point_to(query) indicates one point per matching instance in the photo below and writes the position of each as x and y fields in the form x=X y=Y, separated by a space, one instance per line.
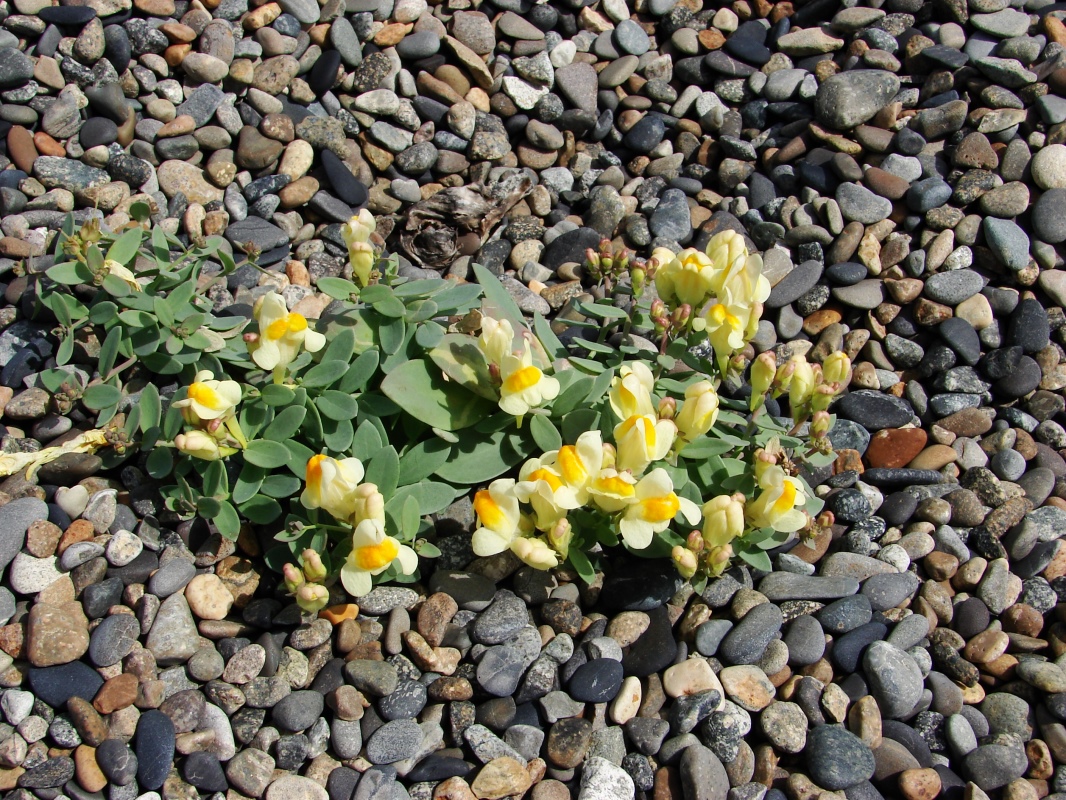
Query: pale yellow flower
x=577 y=464
x=699 y=411
x=736 y=271
x=725 y=326
x=200 y=445
x=498 y=516
x=496 y=340
x=631 y=390
x=368 y=504
x=612 y=490
x=281 y=335
x=836 y=368
x=542 y=486
x=524 y=386
x=332 y=485
x=356 y=233
x=641 y=439
x=802 y=383
x=684 y=278
x=122 y=273
x=655 y=507
x=373 y=552
x=777 y=505
x=208 y=399
x=723 y=520
x=535 y=552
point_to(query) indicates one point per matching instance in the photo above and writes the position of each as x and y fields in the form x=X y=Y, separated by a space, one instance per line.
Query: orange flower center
x=375 y=556
x=487 y=510
x=661 y=509
x=522 y=379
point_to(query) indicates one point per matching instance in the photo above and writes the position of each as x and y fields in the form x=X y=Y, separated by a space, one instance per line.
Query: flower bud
x=783 y=378
x=694 y=541
x=251 y=338
x=820 y=424
x=682 y=314
x=312 y=597
x=699 y=411
x=610 y=456
x=198 y=445
x=723 y=520
x=294 y=578
x=637 y=277
x=836 y=368
x=559 y=536
x=685 y=561
x=763 y=370
x=314 y=569
x=667 y=408
x=718 y=558
x=826 y=519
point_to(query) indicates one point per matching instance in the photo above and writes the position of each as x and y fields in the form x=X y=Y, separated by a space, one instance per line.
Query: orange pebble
x=337 y=614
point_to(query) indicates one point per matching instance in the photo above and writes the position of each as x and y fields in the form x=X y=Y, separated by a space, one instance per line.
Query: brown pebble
x=117 y=692
x=86 y=770
x=433 y=617
x=90 y=726
x=919 y=784
x=894 y=448
x=21 y=149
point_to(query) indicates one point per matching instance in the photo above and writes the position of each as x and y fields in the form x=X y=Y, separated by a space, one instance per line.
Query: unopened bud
x=826 y=519
x=213 y=425
x=637 y=277
x=312 y=598
x=694 y=541
x=658 y=309
x=294 y=578
x=682 y=314
x=820 y=424
x=251 y=338
x=610 y=456
x=667 y=408
x=685 y=561
x=314 y=569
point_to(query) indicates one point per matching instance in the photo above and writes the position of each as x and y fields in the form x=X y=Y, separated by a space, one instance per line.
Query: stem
x=279 y=375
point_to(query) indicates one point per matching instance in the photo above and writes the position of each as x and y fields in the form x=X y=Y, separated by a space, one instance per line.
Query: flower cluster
x=304 y=582
x=210 y=413
x=522 y=385
x=281 y=336
x=334 y=485
x=776 y=506
x=811 y=388
x=721 y=290
x=622 y=482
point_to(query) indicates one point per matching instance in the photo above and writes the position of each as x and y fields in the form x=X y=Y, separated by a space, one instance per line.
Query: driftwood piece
x=435 y=224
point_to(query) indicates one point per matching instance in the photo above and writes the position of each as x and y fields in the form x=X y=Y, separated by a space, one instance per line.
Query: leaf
x=208 y=507
x=126 y=246
x=115 y=286
x=421 y=310
x=100 y=396
x=367 y=441
x=160 y=462
x=338 y=434
x=544 y=433
x=600 y=386
x=151 y=407
x=758 y=559
x=277 y=395
x=137 y=319
x=458 y=298
x=498 y=301
x=360 y=372
x=299 y=455
x=705 y=446
x=390 y=307
x=419 y=389
x=552 y=346
x=410 y=518
x=109 y=351
x=376 y=293
x=435 y=496
x=428 y=335
x=337 y=288
x=460 y=358
x=103 y=312
x=391 y=335
x=70 y=273
x=420 y=461
x=325 y=374
x=261 y=510
x=337 y=405
x=384 y=470
x=285 y=424
x=472 y=463
x=280 y=486
x=227 y=522
x=266 y=454
x=573 y=395
x=582 y=565
x=578 y=421
x=342 y=348
x=248 y=482
x=66 y=350
x=216 y=483
x=427 y=549
x=140 y=211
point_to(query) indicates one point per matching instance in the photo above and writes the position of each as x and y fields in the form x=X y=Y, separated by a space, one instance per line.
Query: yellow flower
x=498 y=517
x=361 y=254
x=524 y=385
x=725 y=325
x=356 y=233
x=735 y=270
x=577 y=464
x=763 y=371
x=698 y=412
x=281 y=335
x=368 y=504
x=332 y=485
x=656 y=505
x=373 y=552
x=684 y=278
x=200 y=445
x=122 y=273
x=836 y=368
x=723 y=519
x=631 y=391
x=359 y=227
x=612 y=490
x=535 y=552
x=641 y=439
x=496 y=340
x=208 y=399
x=776 y=505
x=541 y=485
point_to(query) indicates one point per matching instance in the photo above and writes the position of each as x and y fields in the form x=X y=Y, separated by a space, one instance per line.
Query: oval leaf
x=418 y=388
